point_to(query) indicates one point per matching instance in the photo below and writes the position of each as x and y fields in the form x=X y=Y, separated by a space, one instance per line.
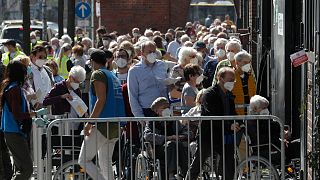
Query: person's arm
x=14 y=101
x=149 y=136
x=133 y=91
x=189 y=101
x=55 y=96
x=100 y=90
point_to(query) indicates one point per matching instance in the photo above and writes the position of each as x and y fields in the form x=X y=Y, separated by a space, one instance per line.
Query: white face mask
x=61 y=43
x=105 y=43
x=152 y=57
x=40 y=62
x=166 y=113
x=265 y=112
x=228 y=86
x=164 y=43
x=194 y=61
x=121 y=63
x=69 y=55
x=220 y=53
x=199 y=79
x=74 y=85
x=246 y=68
x=136 y=34
x=54 y=47
x=230 y=56
x=5 y=49
x=33 y=41
x=129 y=52
x=38 y=38
x=210 y=46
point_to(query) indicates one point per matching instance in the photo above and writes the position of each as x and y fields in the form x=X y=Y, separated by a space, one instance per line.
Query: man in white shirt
x=174 y=45
x=41 y=79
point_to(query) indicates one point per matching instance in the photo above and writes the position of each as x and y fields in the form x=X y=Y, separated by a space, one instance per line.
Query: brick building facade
x=123 y=15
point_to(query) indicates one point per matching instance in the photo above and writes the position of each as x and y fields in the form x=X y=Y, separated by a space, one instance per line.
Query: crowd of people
x=197 y=67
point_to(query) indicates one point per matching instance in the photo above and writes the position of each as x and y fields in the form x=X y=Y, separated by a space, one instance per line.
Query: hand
x=235 y=127
x=86 y=115
x=87 y=129
x=172 y=138
x=41 y=112
x=40 y=122
x=67 y=96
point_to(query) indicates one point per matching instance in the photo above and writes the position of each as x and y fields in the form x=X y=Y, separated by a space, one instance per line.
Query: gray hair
x=185 y=38
x=218 y=42
x=242 y=55
x=160 y=101
x=87 y=39
x=66 y=39
x=184 y=53
x=235 y=44
x=146 y=43
x=257 y=101
x=78 y=72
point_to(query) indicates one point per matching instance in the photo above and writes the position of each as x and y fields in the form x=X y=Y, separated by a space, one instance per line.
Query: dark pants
x=172 y=158
x=205 y=153
x=6 y=171
x=149 y=113
x=20 y=151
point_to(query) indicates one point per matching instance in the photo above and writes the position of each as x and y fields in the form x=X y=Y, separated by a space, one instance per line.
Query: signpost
x=83 y=10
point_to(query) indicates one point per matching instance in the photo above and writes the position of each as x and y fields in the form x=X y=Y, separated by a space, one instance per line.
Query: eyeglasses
x=192 y=56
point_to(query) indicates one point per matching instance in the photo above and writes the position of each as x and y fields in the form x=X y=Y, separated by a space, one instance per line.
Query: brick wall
x=123 y=15
x=253 y=8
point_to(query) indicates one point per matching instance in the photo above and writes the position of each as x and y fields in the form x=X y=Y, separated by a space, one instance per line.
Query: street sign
x=98 y=13
x=83 y=10
x=83 y=23
x=299 y=58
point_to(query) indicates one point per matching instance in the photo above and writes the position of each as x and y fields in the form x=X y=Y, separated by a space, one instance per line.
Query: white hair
x=218 y=42
x=235 y=44
x=66 y=39
x=185 y=38
x=242 y=55
x=148 y=31
x=78 y=72
x=257 y=101
x=184 y=53
x=121 y=38
x=33 y=34
x=143 y=39
x=87 y=39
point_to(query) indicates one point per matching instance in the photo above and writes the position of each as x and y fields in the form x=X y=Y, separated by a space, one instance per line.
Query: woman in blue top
x=16 y=118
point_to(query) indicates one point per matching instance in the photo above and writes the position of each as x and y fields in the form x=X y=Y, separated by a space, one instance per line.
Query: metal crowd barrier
x=263 y=157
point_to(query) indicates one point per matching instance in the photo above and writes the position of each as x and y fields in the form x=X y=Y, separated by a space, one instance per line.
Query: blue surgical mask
x=29 y=70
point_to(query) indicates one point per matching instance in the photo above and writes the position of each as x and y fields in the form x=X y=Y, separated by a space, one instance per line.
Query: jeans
x=92 y=144
x=19 y=149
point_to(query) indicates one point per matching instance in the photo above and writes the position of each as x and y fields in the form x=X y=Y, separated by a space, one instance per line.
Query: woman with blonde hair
x=63 y=60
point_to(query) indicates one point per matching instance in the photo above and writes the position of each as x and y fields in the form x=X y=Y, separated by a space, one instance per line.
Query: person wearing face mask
x=211 y=65
x=78 y=58
x=217 y=101
x=193 y=76
x=87 y=44
x=106 y=40
x=63 y=60
x=135 y=34
x=54 y=42
x=41 y=77
x=60 y=93
x=128 y=46
x=166 y=143
x=232 y=48
x=201 y=48
x=121 y=58
x=144 y=81
x=10 y=51
x=245 y=86
x=174 y=45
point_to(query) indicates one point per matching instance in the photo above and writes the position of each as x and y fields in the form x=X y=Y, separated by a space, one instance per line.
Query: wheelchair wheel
x=255 y=168
x=69 y=171
x=141 y=170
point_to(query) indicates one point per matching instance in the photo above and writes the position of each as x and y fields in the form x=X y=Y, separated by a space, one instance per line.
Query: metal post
x=44 y=20
x=71 y=18
x=60 y=16
x=26 y=26
x=92 y=23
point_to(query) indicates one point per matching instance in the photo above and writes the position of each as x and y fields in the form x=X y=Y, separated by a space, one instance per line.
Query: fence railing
x=210 y=147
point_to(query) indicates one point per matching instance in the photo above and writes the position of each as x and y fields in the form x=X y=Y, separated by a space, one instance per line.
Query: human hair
x=158 y=40
x=78 y=72
x=222 y=34
x=66 y=39
x=52 y=65
x=191 y=69
x=185 y=38
x=184 y=53
x=235 y=44
x=22 y=58
x=37 y=49
x=147 y=43
x=99 y=57
x=160 y=101
x=128 y=46
x=77 y=50
x=66 y=47
x=148 y=31
x=218 y=42
x=223 y=71
x=179 y=34
x=15 y=72
x=242 y=55
x=258 y=101
x=118 y=50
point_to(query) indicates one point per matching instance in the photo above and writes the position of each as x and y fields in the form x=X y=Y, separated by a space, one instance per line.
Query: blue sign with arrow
x=83 y=10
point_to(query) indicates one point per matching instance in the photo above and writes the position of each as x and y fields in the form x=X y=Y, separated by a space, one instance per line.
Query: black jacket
x=212 y=105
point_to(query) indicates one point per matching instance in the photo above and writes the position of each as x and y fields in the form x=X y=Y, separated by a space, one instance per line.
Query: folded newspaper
x=77 y=104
